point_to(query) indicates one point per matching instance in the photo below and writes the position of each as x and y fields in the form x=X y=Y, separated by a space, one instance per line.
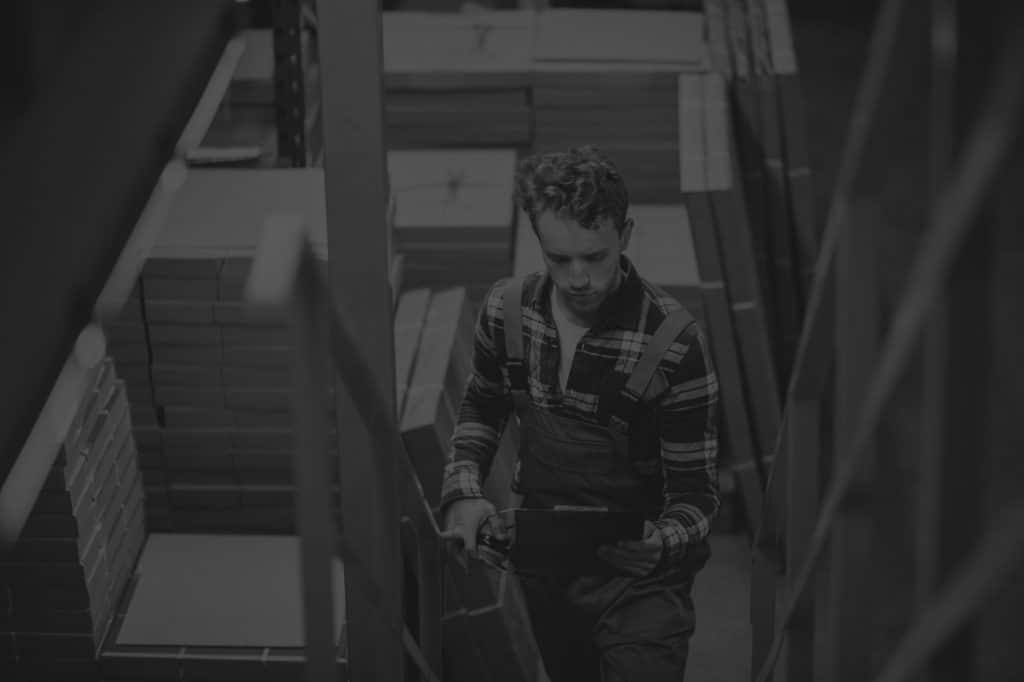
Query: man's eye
x=595 y=258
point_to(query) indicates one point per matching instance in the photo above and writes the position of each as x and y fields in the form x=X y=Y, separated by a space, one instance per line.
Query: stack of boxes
x=454 y=216
x=609 y=78
x=454 y=79
x=484 y=617
x=222 y=385
x=60 y=584
x=213 y=380
x=436 y=381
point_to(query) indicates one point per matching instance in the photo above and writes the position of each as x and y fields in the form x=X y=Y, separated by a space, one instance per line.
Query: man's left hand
x=635 y=557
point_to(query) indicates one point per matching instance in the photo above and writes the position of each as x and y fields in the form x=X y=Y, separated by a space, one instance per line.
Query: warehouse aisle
x=831 y=55
x=720 y=649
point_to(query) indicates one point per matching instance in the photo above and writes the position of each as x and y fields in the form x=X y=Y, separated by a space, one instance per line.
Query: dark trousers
x=613 y=629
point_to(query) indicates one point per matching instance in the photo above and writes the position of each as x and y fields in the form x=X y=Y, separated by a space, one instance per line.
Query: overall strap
x=513 y=313
x=639 y=381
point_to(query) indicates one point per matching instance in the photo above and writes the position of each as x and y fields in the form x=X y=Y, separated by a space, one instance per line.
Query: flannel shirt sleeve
x=689 y=447
x=485 y=408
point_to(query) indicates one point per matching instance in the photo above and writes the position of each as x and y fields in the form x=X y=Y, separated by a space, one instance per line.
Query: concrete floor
x=720 y=648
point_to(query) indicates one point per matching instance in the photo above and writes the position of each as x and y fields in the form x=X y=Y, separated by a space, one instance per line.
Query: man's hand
x=462 y=521
x=636 y=557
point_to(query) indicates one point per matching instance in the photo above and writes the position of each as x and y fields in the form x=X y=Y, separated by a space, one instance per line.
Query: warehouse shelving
x=892 y=523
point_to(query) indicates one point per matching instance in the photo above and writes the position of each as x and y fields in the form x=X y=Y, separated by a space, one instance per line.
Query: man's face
x=583 y=264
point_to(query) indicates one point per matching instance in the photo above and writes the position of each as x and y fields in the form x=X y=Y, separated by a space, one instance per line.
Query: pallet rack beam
x=289 y=81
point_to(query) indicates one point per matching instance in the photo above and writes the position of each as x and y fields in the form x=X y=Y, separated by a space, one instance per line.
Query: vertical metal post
x=289 y=82
x=359 y=262
x=804 y=425
x=856 y=342
x=936 y=346
x=313 y=475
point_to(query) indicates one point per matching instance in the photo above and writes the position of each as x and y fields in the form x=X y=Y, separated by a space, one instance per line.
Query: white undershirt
x=569 y=335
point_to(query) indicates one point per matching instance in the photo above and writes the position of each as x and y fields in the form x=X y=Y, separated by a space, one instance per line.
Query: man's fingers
x=459 y=535
x=497 y=527
x=638 y=563
x=453 y=534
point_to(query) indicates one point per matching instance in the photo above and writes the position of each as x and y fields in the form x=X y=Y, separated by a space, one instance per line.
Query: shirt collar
x=621 y=309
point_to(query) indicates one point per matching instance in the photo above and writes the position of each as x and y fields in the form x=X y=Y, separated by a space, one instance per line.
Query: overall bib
x=589 y=628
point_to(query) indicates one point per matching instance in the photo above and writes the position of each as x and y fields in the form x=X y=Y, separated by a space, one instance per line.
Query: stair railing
x=286 y=281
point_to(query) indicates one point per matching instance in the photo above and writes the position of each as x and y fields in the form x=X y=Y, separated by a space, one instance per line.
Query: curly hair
x=581 y=184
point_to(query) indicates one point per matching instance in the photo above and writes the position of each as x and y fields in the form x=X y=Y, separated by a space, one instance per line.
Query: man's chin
x=585 y=304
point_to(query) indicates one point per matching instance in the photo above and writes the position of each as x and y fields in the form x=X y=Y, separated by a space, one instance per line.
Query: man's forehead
x=565 y=220
x=572 y=240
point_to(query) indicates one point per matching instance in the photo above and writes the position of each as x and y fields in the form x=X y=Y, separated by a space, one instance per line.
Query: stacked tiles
x=608 y=78
x=454 y=216
x=62 y=580
x=660 y=246
x=222 y=382
x=128 y=344
x=454 y=79
x=217 y=455
x=436 y=383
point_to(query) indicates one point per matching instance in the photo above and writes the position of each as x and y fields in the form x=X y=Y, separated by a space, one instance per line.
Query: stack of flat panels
x=609 y=78
x=661 y=247
x=217 y=452
x=215 y=607
x=410 y=316
x=455 y=79
x=244 y=128
x=61 y=582
x=737 y=324
x=454 y=216
x=222 y=382
x=436 y=384
x=757 y=58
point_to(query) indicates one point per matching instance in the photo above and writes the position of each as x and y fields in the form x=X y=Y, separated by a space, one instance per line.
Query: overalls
x=608 y=629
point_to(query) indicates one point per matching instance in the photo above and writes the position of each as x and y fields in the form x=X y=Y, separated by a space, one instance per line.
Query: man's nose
x=579 y=278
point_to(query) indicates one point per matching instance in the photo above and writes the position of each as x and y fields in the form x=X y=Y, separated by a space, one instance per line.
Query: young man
x=612 y=383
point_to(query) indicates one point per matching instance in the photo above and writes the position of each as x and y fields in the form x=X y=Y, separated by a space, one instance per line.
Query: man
x=612 y=383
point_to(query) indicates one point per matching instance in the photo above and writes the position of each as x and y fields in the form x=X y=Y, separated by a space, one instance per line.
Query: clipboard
x=563 y=541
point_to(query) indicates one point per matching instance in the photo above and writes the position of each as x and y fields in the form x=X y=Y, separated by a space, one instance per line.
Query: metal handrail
x=988 y=148
x=286 y=280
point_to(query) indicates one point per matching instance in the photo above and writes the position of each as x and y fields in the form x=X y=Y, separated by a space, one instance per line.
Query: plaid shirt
x=686 y=408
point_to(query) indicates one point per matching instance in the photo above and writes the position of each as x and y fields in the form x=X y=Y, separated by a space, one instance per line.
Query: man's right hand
x=463 y=518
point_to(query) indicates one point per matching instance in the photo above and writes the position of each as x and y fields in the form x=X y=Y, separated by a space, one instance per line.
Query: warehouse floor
x=830 y=57
x=720 y=648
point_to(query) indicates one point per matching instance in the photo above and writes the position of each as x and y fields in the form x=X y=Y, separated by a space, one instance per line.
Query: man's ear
x=627 y=231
